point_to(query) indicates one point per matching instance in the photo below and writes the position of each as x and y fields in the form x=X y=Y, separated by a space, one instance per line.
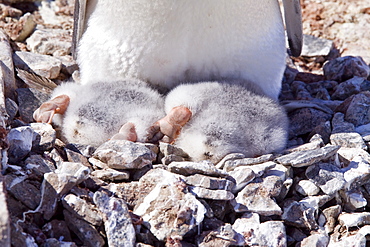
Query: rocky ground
x=315 y=193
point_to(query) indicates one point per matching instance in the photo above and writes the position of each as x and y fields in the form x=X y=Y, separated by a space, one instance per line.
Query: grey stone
x=211 y=194
x=314 y=46
x=242 y=175
x=23 y=190
x=56 y=42
x=28 y=24
x=233 y=164
x=85 y=232
x=69 y=65
x=358 y=239
x=308 y=157
x=363 y=130
x=168 y=210
x=357 y=110
x=29 y=100
x=11 y=108
x=57 y=229
x=53 y=242
x=304 y=120
x=300 y=214
x=258 y=195
x=344 y=68
x=328 y=177
x=44 y=137
x=117 y=221
x=38 y=165
x=353 y=200
x=207 y=182
x=20 y=143
x=7 y=79
x=300 y=90
x=76 y=157
x=5 y=234
x=222 y=236
x=232 y=156
x=43 y=65
x=349 y=140
x=82 y=209
x=58 y=183
x=315 y=142
x=121 y=154
x=357 y=173
x=111 y=174
x=340 y=125
x=354 y=219
x=318 y=239
x=307 y=188
x=328 y=218
x=253 y=233
x=191 y=168
x=348 y=88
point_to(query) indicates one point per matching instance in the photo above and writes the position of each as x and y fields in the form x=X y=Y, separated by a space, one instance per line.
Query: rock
x=57 y=229
x=313 y=46
x=84 y=231
x=211 y=194
x=232 y=156
x=344 y=68
x=29 y=100
x=58 y=183
x=44 y=138
x=23 y=190
x=111 y=174
x=300 y=214
x=222 y=236
x=253 y=233
x=348 y=88
x=243 y=175
x=353 y=200
x=328 y=177
x=354 y=219
x=82 y=209
x=349 y=140
x=20 y=143
x=307 y=158
x=340 y=125
x=117 y=220
x=307 y=188
x=357 y=111
x=328 y=218
x=346 y=155
x=38 y=165
x=121 y=154
x=234 y=163
x=211 y=183
x=357 y=173
x=168 y=210
x=56 y=42
x=191 y=168
x=258 y=195
x=317 y=239
x=359 y=239
x=11 y=108
x=7 y=79
x=43 y=65
x=5 y=234
x=304 y=120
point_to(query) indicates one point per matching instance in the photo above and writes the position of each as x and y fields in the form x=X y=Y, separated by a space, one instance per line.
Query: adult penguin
x=166 y=42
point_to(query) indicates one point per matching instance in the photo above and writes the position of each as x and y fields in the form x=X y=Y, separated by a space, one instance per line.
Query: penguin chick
x=186 y=41
x=100 y=111
x=227 y=118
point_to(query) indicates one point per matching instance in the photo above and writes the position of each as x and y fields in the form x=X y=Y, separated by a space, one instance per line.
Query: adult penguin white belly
x=167 y=42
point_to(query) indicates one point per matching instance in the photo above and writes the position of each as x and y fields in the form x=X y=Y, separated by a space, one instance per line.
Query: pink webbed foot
x=127 y=132
x=45 y=113
x=168 y=128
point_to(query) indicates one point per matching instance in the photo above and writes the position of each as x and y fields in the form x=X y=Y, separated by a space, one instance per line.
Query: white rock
x=307 y=188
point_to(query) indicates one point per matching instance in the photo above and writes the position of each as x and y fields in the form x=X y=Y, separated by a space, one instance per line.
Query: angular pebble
x=111 y=174
x=307 y=188
x=328 y=177
x=121 y=154
x=20 y=143
x=354 y=219
x=117 y=221
x=308 y=157
x=207 y=182
x=191 y=168
x=344 y=68
x=348 y=140
x=257 y=196
x=211 y=194
x=44 y=138
x=357 y=173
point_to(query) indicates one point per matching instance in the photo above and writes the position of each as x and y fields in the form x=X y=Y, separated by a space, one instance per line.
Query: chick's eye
x=208 y=154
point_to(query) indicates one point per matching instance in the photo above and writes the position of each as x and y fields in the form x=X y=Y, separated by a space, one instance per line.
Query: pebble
x=344 y=68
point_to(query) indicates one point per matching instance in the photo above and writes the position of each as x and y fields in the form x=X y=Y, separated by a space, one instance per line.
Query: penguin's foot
x=127 y=132
x=169 y=127
x=46 y=112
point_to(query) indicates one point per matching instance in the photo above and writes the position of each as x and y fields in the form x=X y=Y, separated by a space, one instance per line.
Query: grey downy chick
x=93 y=113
